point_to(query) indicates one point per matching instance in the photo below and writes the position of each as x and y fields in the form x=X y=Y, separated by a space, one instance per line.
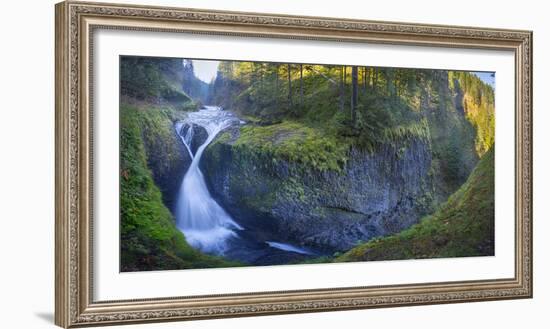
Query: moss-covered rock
x=197 y=135
x=166 y=155
x=151 y=91
x=327 y=201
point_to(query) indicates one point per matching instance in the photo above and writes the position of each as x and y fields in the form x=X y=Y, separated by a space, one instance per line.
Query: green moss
x=463 y=226
x=314 y=147
x=296 y=142
x=149 y=237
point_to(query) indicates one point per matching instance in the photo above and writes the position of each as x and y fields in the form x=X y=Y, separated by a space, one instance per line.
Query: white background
x=27 y=167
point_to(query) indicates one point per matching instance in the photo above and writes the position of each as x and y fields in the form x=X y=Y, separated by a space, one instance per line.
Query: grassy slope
x=463 y=226
x=149 y=237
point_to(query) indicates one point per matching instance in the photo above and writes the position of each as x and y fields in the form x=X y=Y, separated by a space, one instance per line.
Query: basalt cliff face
x=374 y=194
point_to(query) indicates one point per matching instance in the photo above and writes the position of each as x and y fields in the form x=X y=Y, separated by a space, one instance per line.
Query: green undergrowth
x=318 y=147
x=463 y=226
x=152 y=79
x=316 y=131
x=149 y=237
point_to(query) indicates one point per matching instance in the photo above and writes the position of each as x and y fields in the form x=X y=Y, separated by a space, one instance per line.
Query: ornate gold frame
x=76 y=22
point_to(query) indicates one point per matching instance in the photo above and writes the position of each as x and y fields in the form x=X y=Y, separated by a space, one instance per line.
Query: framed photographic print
x=217 y=164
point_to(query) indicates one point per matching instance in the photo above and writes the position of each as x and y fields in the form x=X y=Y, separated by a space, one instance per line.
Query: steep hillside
x=477 y=100
x=463 y=226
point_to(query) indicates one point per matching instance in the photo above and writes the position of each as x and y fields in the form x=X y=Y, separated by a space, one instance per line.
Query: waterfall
x=205 y=224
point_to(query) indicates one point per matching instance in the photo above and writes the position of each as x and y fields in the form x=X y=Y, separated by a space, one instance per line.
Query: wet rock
x=194 y=135
x=167 y=159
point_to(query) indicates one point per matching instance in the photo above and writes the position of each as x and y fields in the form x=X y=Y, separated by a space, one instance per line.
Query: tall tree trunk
x=389 y=74
x=354 y=82
x=397 y=87
x=277 y=87
x=368 y=78
x=342 y=78
x=289 y=89
x=364 y=79
x=301 y=85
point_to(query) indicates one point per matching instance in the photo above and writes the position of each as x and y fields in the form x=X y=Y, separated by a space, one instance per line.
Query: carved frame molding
x=75 y=24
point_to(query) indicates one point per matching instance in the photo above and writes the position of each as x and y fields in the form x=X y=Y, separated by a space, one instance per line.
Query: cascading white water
x=205 y=224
